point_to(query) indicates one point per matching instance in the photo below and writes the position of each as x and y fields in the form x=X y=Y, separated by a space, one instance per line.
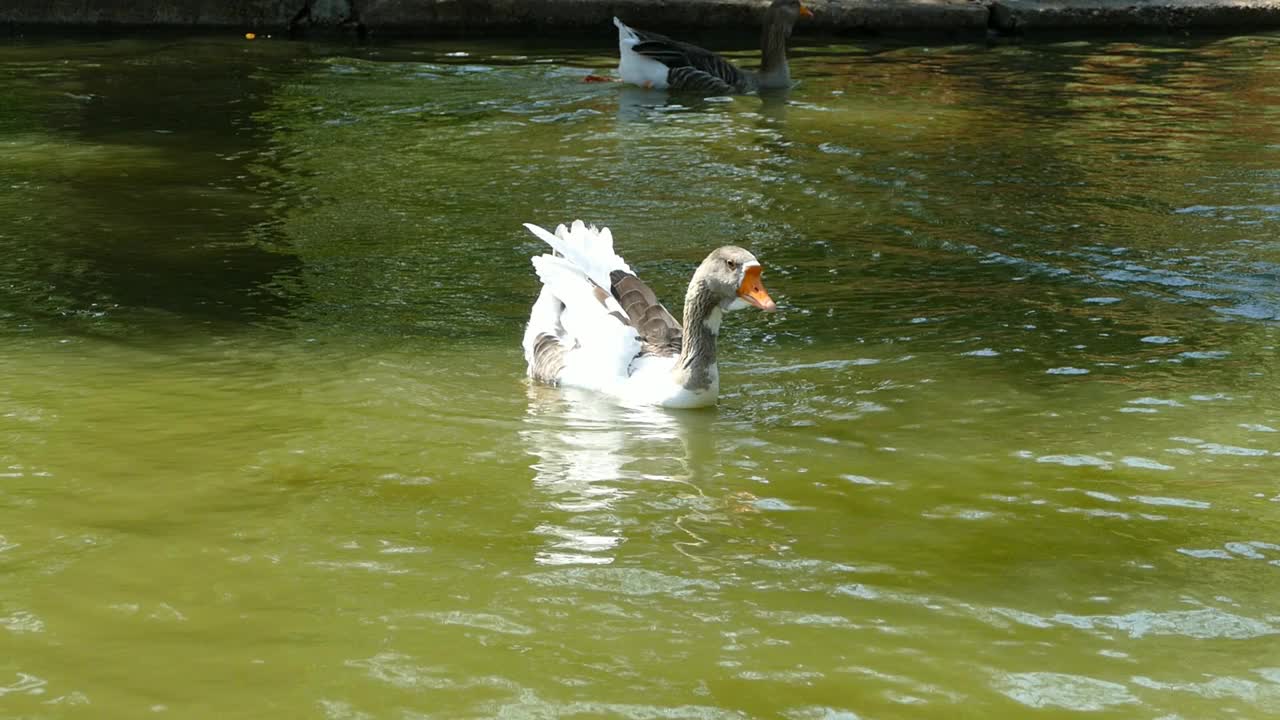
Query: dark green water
x=1009 y=449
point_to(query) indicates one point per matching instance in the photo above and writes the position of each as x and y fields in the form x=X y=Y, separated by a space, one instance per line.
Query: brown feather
x=660 y=333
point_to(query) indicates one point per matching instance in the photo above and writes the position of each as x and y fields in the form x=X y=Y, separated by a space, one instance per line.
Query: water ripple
x=624 y=581
x=1072 y=692
x=1201 y=624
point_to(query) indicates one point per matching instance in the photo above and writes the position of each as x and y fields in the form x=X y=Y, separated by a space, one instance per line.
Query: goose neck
x=773 y=49
x=696 y=366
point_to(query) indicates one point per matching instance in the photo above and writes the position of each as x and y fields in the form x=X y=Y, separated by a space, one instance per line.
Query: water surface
x=1010 y=443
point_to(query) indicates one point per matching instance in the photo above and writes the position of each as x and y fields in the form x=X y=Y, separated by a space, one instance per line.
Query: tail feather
x=624 y=31
x=586 y=248
x=594 y=334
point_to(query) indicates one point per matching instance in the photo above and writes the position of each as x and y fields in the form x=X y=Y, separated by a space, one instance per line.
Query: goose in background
x=651 y=60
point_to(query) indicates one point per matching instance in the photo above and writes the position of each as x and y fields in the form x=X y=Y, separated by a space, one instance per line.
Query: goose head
x=731 y=277
x=786 y=13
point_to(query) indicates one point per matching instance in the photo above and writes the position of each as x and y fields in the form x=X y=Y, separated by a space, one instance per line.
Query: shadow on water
x=130 y=209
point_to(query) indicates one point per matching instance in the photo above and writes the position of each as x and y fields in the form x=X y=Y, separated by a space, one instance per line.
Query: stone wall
x=441 y=17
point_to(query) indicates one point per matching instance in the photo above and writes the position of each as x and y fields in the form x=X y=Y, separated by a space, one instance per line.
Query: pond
x=1009 y=444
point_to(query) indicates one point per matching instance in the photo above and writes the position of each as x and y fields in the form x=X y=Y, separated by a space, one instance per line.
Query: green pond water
x=1009 y=448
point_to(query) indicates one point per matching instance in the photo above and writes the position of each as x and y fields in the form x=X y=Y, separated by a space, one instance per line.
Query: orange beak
x=805 y=12
x=752 y=290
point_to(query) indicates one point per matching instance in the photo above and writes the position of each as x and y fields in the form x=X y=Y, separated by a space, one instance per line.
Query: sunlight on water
x=1008 y=446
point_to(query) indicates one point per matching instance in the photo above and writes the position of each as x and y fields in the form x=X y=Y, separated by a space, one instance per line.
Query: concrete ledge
x=148 y=13
x=829 y=15
x=444 y=17
x=1032 y=15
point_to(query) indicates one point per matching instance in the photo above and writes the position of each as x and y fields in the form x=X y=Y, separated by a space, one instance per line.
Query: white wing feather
x=600 y=344
x=544 y=319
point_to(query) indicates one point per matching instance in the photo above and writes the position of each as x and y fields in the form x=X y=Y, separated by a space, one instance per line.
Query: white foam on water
x=1066 y=371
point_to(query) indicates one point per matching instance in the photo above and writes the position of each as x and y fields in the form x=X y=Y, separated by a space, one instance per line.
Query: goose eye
x=733 y=264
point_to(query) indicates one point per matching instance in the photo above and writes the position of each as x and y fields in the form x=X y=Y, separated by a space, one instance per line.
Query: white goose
x=595 y=325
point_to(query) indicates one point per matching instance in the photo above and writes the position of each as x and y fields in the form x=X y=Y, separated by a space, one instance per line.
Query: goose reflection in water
x=636 y=104
x=587 y=450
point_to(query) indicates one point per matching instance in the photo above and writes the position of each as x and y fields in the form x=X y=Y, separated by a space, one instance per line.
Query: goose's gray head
x=732 y=276
x=787 y=11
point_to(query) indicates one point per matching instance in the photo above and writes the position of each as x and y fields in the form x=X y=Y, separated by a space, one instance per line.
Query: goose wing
x=698 y=68
x=660 y=333
x=692 y=79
